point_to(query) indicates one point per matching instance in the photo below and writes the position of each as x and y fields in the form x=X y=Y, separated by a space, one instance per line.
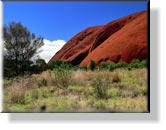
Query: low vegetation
x=78 y=90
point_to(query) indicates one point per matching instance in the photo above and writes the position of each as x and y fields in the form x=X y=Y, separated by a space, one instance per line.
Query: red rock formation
x=121 y=40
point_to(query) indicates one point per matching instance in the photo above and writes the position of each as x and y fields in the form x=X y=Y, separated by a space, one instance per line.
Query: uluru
x=120 y=40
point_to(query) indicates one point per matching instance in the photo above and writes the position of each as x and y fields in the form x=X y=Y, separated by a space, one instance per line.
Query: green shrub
x=108 y=65
x=135 y=64
x=122 y=65
x=55 y=64
x=114 y=92
x=83 y=68
x=62 y=78
x=59 y=64
x=144 y=63
x=100 y=104
x=41 y=65
x=104 y=65
x=45 y=93
x=41 y=82
x=142 y=91
x=112 y=66
x=30 y=96
x=92 y=65
x=101 y=83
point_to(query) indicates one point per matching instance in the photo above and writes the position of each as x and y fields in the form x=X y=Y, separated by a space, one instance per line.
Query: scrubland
x=120 y=90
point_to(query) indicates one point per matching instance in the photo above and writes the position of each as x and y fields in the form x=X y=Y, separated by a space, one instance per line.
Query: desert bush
x=116 y=78
x=62 y=78
x=100 y=104
x=104 y=65
x=83 y=68
x=122 y=65
x=142 y=91
x=30 y=96
x=101 y=83
x=41 y=65
x=112 y=66
x=41 y=82
x=45 y=93
x=135 y=64
x=108 y=65
x=114 y=92
x=55 y=64
x=17 y=93
x=92 y=65
x=59 y=64
x=144 y=63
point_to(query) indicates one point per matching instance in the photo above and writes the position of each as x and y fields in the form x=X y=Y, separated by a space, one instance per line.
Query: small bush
x=41 y=82
x=101 y=83
x=45 y=93
x=144 y=63
x=114 y=92
x=142 y=91
x=100 y=104
x=59 y=64
x=30 y=96
x=92 y=65
x=17 y=94
x=122 y=65
x=112 y=66
x=62 y=78
x=116 y=78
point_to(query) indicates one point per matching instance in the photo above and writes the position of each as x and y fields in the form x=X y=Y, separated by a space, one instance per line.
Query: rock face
x=121 y=40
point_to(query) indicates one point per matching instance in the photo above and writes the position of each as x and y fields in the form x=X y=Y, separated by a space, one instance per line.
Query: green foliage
x=59 y=64
x=114 y=92
x=100 y=104
x=19 y=47
x=140 y=91
x=30 y=96
x=101 y=84
x=92 y=65
x=128 y=79
x=76 y=88
x=41 y=82
x=41 y=64
x=135 y=64
x=108 y=65
x=44 y=93
x=62 y=78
